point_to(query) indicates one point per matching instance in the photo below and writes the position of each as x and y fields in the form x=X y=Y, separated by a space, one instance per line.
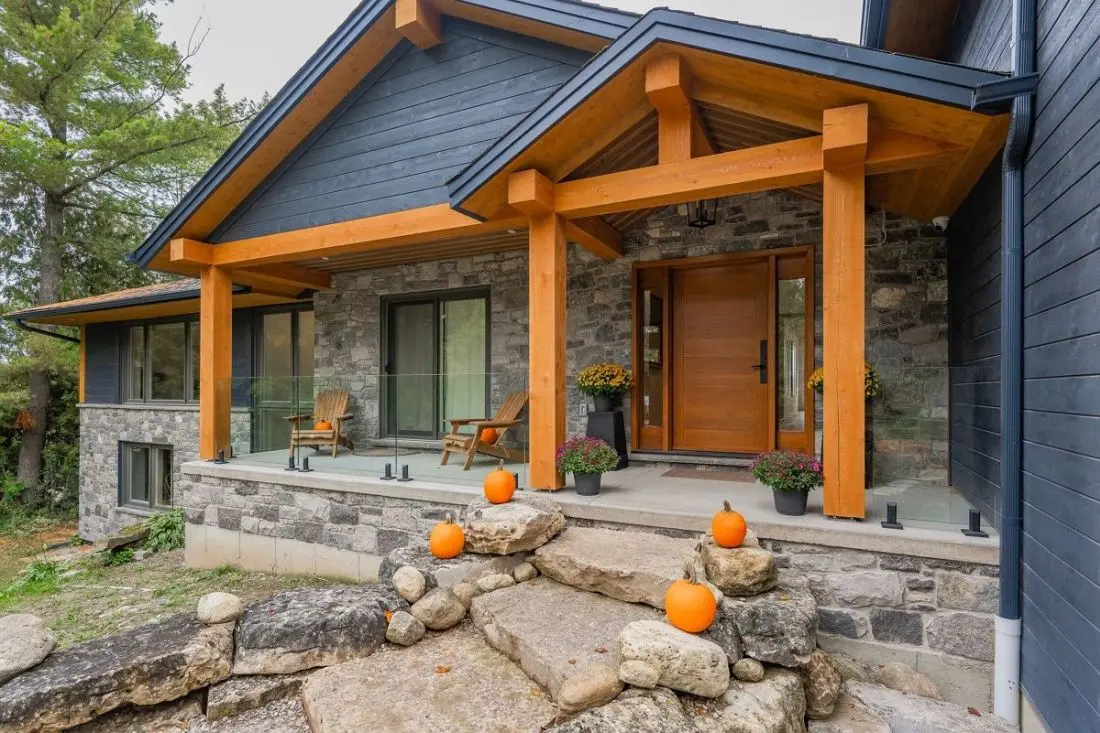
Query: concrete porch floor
x=642 y=495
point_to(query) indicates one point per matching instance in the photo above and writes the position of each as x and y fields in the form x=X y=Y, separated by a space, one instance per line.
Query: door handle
x=763 y=365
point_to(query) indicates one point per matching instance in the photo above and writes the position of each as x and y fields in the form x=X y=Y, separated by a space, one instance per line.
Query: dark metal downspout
x=19 y=322
x=1006 y=697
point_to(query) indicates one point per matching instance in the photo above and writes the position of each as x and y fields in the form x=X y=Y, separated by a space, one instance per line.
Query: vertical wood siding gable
x=415 y=121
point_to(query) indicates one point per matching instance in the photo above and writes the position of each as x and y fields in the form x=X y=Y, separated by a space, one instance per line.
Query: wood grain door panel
x=720 y=317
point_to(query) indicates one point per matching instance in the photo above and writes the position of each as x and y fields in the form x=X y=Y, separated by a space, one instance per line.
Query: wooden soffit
x=756 y=103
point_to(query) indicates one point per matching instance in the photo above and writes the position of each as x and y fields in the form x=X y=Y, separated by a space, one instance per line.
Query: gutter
x=20 y=323
x=1006 y=670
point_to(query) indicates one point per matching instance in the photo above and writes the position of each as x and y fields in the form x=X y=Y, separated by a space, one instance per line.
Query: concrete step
x=696 y=460
x=636 y=567
x=557 y=633
x=868 y=708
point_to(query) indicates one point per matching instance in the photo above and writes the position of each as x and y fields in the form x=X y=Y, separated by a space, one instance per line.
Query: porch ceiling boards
x=506 y=241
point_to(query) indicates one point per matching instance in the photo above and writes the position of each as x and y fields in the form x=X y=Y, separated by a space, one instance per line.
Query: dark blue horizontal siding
x=101 y=363
x=418 y=119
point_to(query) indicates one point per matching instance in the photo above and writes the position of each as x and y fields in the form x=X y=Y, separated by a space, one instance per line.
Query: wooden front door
x=720 y=340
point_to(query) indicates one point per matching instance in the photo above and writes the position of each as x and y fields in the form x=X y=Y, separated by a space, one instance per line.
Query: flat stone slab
x=467 y=567
x=905 y=713
x=312 y=627
x=175 y=716
x=637 y=567
x=553 y=631
x=144 y=666
x=849 y=716
x=450 y=682
x=634 y=711
x=240 y=694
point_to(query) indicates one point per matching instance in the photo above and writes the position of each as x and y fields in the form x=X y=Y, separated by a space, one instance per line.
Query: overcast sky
x=254 y=46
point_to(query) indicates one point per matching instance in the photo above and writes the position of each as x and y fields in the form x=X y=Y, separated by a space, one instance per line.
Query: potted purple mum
x=791 y=476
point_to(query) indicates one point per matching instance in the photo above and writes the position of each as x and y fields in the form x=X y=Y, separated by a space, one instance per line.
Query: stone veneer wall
x=933 y=615
x=906 y=317
x=103 y=427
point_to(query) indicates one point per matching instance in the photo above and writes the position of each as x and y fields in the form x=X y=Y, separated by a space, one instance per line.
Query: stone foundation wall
x=906 y=317
x=103 y=427
x=933 y=615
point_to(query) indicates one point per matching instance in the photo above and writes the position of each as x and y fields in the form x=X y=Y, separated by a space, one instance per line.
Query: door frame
x=437 y=298
x=795 y=262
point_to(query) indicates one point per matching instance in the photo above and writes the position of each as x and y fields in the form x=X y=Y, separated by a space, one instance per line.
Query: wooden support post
x=215 y=360
x=532 y=193
x=82 y=377
x=418 y=21
x=668 y=86
x=844 y=149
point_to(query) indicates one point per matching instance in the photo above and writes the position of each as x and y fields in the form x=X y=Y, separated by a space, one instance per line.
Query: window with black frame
x=162 y=362
x=145 y=480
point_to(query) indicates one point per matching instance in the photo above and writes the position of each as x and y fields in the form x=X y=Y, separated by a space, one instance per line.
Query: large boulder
x=687 y=662
x=24 y=642
x=312 y=627
x=467 y=567
x=779 y=626
x=739 y=571
x=450 y=682
x=143 y=666
x=524 y=523
x=849 y=716
x=637 y=567
x=554 y=632
x=776 y=704
x=913 y=714
x=635 y=711
x=439 y=609
x=821 y=680
x=240 y=694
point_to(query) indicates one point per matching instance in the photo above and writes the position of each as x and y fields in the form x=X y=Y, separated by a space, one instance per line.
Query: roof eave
x=46 y=311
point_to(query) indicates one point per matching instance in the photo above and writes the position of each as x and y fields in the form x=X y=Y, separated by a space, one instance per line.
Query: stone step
x=636 y=567
x=564 y=638
x=869 y=708
x=449 y=682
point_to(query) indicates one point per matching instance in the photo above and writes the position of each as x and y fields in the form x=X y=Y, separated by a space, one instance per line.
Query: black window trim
x=125 y=479
x=126 y=364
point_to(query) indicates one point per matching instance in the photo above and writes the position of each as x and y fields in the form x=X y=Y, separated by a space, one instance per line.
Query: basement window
x=146 y=476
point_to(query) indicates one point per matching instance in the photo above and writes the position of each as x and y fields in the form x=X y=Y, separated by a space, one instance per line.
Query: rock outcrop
x=25 y=641
x=687 y=663
x=450 y=682
x=780 y=626
x=524 y=523
x=637 y=567
x=145 y=666
x=312 y=627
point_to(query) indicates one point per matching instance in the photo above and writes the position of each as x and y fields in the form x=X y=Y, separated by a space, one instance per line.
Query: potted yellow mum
x=605 y=384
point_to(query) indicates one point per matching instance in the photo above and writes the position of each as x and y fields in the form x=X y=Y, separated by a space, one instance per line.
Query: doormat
x=737 y=475
x=383 y=451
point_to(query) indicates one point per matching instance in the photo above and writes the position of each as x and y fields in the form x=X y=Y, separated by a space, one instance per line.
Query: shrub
x=586 y=455
x=118 y=556
x=787 y=471
x=604 y=379
x=165 y=531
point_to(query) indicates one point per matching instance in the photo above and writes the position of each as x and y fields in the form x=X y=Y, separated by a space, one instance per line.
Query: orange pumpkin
x=500 y=485
x=690 y=606
x=446 y=539
x=728 y=527
x=322 y=425
x=489 y=435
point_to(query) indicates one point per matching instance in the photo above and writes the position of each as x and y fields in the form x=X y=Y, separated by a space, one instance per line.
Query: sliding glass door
x=437 y=361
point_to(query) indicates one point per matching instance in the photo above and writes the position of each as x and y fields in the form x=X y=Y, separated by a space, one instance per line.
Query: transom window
x=146 y=480
x=163 y=362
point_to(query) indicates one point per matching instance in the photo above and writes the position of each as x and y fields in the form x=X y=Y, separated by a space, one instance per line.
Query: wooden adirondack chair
x=470 y=445
x=330 y=405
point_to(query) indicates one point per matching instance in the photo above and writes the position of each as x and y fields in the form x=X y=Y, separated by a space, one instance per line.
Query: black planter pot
x=604 y=402
x=588 y=484
x=791 y=503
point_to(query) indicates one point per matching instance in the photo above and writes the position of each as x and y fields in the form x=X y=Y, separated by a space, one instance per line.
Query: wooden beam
x=381 y=233
x=680 y=133
x=82 y=376
x=596 y=236
x=418 y=21
x=215 y=360
x=189 y=251
x=282 y=276
x=531 y=192
x=844 y=270
x=546 y=303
